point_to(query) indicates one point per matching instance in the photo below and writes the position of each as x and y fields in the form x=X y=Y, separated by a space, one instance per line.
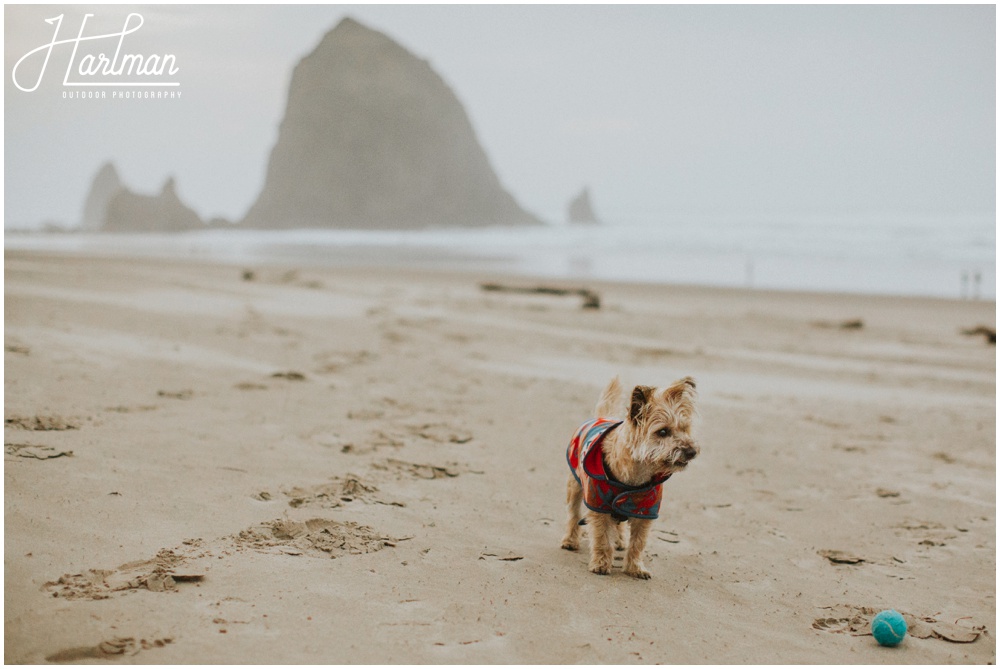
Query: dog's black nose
x=689 y=453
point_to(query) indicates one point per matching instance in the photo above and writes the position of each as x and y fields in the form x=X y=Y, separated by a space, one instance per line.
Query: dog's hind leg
x=621 y=536
x=574 y=504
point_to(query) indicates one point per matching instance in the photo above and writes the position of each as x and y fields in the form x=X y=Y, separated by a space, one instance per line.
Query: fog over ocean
x=844 y=148
x=888 y=255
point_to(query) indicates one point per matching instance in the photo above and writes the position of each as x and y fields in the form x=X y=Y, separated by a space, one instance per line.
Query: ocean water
x=952 y=257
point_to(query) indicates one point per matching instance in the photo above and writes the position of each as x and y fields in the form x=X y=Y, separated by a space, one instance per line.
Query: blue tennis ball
x=889 y=628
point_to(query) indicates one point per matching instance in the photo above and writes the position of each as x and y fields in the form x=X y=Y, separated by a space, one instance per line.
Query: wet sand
x=367 y=466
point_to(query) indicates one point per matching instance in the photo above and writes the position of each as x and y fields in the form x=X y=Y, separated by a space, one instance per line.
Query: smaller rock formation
x=580 y=209
x=105 y=186
x=132 y=212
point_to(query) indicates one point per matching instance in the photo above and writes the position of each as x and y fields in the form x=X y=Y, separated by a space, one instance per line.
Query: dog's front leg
x=602 y=533
x=638 y=532
x=574 y=502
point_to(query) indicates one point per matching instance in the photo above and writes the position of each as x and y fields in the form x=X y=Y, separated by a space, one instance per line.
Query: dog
x=618 y=466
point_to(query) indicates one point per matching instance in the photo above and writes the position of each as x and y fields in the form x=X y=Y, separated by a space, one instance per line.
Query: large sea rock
x=372 y=137
x=105 y=186
x=581 y=210
x=134 y=212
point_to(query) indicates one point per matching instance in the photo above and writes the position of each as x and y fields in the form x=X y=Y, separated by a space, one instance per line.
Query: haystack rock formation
x=580 y=209
x=105 y=186
x=132 y=212
x=373 y=138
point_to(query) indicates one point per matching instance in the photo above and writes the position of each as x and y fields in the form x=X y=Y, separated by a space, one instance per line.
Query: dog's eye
x=664 y=432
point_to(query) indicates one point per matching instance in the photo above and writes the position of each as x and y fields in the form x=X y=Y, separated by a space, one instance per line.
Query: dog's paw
x=570 y=545
x=601 y=569
x=638 y=571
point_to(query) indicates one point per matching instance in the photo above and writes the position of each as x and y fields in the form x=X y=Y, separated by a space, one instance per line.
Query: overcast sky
x=661 y=110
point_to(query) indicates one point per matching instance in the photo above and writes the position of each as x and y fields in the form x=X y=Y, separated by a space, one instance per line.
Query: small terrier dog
x=618 y=468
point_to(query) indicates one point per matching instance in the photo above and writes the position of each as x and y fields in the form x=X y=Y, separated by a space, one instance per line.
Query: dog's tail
x=609 y=406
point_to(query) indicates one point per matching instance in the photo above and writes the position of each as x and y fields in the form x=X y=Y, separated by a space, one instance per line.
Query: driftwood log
x=591 y=300
x=988 y=332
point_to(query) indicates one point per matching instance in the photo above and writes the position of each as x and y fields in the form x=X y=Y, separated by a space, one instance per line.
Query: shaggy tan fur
x=654 y=439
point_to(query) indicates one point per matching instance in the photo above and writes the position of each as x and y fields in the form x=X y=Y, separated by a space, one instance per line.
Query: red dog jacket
x=601 y=492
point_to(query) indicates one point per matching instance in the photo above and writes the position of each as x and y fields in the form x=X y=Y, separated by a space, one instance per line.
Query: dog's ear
x=640 y=398
x=682 y=393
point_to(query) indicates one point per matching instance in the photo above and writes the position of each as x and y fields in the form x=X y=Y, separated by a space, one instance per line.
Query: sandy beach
x=206 y=463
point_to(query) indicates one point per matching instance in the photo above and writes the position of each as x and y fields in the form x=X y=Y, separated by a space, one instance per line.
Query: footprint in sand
x=376 y=440
x=35 y=451
x=500 y=554
x=289 y=376
x=40 y=423
x=108 y=650
x=835 y=625
x=927 y=533
x=857 y=621
x=159 y=574
x=249 y=385
x=20 y=349
x=335 y=362
x=841 y=557
x=230 y=611
x=185 y=394
x=401 y=469
x=336 y=493
x=132 y=409
x=316 y=537
x=440 y=433
x=380 y=408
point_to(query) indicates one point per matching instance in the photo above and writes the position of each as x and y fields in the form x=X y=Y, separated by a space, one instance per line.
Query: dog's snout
x=686 y=451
